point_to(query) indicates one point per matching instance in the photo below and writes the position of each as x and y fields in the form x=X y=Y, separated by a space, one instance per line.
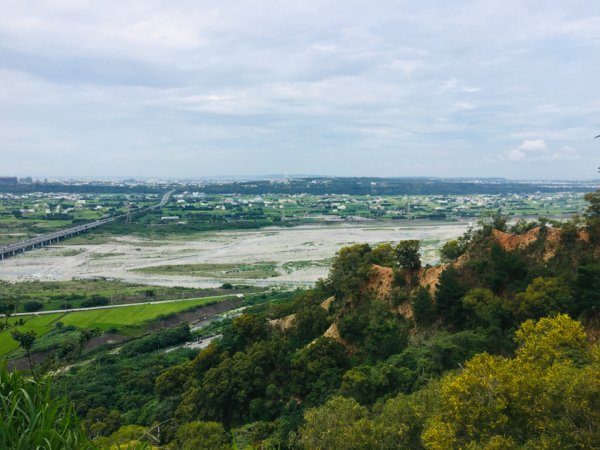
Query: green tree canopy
x=407 y=254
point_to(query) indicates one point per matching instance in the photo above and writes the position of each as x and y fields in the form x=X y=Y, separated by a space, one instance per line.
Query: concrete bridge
x=52 y=238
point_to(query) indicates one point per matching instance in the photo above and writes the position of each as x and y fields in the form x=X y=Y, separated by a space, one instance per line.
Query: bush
x=95 y=300
x=159 y=340
x=32 y=306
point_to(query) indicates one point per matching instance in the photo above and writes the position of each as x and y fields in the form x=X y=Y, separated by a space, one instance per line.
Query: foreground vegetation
x=494 y=349
x=30 y=418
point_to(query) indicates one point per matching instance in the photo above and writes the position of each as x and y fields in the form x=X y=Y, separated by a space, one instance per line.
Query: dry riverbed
x=284 y=256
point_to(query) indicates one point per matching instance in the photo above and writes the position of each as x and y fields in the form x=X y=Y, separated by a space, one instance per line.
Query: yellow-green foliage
x=547 y=396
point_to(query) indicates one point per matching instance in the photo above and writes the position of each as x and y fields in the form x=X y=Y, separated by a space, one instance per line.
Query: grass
x=40 y=324
x=52 y=294
x=292 y=266
x=124 y=319
x=91 y=238
x=106 y=319
x=105 y=255
x=32 y=418
x=258 y=270
x=70 y=252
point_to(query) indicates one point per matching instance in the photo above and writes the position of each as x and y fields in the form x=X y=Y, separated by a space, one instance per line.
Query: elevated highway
x=52 y=238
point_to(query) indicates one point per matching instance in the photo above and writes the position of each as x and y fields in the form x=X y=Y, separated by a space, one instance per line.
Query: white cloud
x=528 y=150
x=515 y=155
x=280 y=81
x=534 y=145
x=537 y=150
x=449 y=84
x=464 y=106
x=566 y=153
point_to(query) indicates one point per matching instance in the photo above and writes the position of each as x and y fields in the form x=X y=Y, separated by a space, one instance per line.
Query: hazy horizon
x=199 y=89
x=274 y=176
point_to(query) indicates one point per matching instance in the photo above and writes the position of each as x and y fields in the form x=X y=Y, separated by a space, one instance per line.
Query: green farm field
x=106 y=319
x=40 y=324
x=122 y=319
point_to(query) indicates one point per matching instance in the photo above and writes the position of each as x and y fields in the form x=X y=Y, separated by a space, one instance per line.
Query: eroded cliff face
x=380 y=286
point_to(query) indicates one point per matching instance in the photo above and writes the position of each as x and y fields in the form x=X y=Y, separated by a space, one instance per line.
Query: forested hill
x=320 y=186
x=391 y=186
x=496 y=348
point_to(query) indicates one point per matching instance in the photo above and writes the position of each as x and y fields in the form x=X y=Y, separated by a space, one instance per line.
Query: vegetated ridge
x=494 y=348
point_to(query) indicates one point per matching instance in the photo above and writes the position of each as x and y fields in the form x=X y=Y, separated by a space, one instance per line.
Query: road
x=124 y=305
x=50 y=238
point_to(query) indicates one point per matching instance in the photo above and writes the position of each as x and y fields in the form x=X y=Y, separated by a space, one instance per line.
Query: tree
x=451 y=251
x=7 y=309
x=593 y=209
x=341 y=423
x=317 y=370
x=383 y=255
x=244 y=330
x=32 y=306
x=309 y=323
x=552 y=340
x=367 y=384
x=26 y=340
x=494 y=221
x=586 y=290
x=201 y=436
x=101 y=422
x=592 y=216
x=374 y=329
x=543 y=297
x=128 y=436
x=448 y=297
x=569 y=234
x=172 y=381
x=487 y=309
x=349 y=270
x=407 y=254
x=423 y=307
x=233 y=391
x=544 y=397
x=522 y=226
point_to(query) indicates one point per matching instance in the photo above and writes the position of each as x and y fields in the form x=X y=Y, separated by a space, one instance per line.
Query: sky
x=502 y=88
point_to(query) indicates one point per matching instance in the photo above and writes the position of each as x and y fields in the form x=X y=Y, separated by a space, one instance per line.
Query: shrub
x=158 y=340
x=32 y=306
x=95 y=300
